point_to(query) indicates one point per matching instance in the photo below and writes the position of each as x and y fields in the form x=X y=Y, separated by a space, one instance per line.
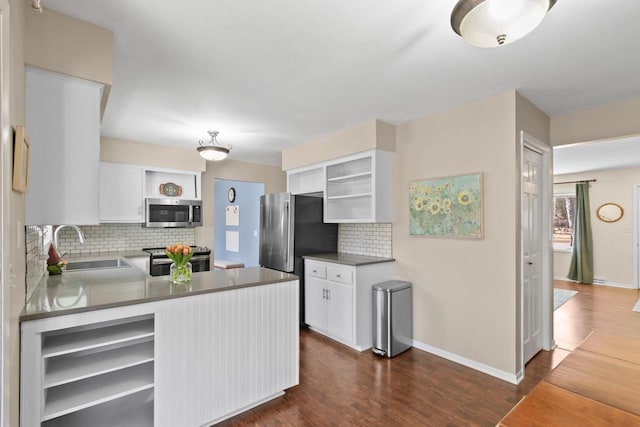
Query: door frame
x=636 y=236
x=6 y=146
x=546 y=227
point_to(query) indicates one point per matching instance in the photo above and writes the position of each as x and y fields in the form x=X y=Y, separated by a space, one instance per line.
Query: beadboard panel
x=225 y=351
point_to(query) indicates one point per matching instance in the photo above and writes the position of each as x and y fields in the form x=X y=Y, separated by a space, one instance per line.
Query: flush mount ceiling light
x=492 y=23
x=213 y=150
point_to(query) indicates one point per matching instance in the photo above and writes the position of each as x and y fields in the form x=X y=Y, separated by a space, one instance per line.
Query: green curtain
x=581 y=268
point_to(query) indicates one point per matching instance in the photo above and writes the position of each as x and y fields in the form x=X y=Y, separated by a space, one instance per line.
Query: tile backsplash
x=365 y=239
x=36 y=265
x=121 y=237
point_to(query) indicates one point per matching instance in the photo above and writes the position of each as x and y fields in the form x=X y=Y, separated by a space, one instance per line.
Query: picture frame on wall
x=447 y=207
x=21 y=160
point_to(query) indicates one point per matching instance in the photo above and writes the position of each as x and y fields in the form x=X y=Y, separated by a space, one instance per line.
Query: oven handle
x=158 y=261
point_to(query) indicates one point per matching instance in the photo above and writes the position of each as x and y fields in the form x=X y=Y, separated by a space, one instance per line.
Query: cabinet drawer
x=340 y=274
x=316 y=270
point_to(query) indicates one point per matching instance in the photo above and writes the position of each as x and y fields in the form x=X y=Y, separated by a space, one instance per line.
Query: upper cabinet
x=124 y=187
x=63 y=124
x=121 y=195
x=356 y=188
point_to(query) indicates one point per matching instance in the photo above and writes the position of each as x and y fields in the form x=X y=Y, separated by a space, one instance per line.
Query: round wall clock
x=231 y=195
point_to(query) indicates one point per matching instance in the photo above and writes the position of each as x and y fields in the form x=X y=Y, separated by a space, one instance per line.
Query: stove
x=159 y=262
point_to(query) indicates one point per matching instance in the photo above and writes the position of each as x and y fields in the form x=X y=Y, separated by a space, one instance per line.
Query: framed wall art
x=21 y=160
x=447 y=207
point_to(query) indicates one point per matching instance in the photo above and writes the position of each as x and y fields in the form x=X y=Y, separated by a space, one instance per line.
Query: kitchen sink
x=97 y=265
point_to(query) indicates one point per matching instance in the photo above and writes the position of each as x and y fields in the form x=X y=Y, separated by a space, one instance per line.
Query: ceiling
x=591 y=156
x=272 y=74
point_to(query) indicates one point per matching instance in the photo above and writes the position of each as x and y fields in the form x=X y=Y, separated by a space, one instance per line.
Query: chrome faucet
x=81 y=237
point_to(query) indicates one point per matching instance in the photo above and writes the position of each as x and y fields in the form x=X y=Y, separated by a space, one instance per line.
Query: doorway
x=536 y=257
x=237 y=221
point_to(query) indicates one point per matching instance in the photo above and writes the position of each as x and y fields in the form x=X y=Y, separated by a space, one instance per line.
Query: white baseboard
x=490 y=370
x=610 y=284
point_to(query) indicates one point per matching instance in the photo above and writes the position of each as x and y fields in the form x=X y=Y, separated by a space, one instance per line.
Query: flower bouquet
x=180 y=269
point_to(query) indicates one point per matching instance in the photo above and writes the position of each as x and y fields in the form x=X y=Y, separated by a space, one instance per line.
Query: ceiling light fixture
x=492 y=23
x=213 y=150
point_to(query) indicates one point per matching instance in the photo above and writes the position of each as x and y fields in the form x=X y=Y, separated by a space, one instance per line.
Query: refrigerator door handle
x=286 y=217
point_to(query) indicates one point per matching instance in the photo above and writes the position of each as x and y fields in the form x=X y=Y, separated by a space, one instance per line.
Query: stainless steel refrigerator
x=291 y=227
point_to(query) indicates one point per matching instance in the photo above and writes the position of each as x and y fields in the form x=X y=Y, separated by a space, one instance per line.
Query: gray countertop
x=348 y=259
x=87 y=290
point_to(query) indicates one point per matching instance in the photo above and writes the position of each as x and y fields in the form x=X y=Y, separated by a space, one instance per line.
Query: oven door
x=161 y=266
x=168 y=213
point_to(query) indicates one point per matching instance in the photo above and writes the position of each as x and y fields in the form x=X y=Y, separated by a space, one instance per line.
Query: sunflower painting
x=447 y=207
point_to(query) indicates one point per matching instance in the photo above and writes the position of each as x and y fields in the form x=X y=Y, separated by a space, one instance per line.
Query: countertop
x=349 y=259
x=88 y=290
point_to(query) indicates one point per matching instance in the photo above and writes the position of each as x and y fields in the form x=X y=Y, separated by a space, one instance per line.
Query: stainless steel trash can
x=392 y=318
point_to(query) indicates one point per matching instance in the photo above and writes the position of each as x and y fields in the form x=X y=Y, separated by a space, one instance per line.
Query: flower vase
x=180 y=274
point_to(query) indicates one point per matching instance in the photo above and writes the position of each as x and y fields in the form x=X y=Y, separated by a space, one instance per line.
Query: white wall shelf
x=134 y=410
x=82 y=394
x=63 y=370
x=57 y=345
x=349 y=177
x=348 y=196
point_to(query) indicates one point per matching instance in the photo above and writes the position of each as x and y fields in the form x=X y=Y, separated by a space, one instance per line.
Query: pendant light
x=492 y=23
x=213 y=150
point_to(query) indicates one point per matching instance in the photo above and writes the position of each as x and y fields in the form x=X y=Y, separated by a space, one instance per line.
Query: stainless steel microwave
x=167 y=212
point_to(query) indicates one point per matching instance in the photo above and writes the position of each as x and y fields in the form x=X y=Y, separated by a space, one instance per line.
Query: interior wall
x=16 y=288
x=67 y=45
x=611 y=121
x=248 y=203
x=365 y=136
x=464 y=289
x=274 y=179
x=152 y=155
x=612 y=242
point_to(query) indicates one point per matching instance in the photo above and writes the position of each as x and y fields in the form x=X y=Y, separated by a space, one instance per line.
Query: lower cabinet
x=189 y=361
x=338 y=299
x=328 y=306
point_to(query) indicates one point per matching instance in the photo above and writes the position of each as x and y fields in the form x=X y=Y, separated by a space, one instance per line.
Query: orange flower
x=186 y=250
x=169 y=249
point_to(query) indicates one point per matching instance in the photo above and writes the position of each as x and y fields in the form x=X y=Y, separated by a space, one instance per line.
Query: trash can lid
x=391 y=286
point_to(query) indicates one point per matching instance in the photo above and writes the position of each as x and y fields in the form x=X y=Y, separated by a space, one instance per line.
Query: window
x=563 y=217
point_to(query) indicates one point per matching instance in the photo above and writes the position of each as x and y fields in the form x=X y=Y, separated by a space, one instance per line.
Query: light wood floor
x=339 y=386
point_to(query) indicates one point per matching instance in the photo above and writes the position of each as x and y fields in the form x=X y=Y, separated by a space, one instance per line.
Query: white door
x=340 y=313
x=315 y=302
x=532 y=249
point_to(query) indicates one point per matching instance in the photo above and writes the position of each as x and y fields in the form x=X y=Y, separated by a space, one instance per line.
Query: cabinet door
x=315 y=307
x=121 y=198
x=340 y=311
x=62 y=116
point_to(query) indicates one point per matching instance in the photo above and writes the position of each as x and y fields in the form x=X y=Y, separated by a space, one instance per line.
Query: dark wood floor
x=339 y=386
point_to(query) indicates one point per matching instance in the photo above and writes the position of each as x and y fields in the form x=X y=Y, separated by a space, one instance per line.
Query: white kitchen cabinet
x=121 y=193
x=63 y=125
x=338 y=299
x=89 y=373
x=308 y=180
x=359 y=188
x=188 y=361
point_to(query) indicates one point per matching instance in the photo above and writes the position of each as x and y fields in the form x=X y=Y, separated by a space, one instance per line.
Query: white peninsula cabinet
x=188 y=361
x=338 y=297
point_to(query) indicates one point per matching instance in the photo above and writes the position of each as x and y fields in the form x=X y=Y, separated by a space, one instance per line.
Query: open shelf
x=71 y=342
x=68 y=368
x=348 y=196
x=72 y=397
x=349 y=177
x=135 y=410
